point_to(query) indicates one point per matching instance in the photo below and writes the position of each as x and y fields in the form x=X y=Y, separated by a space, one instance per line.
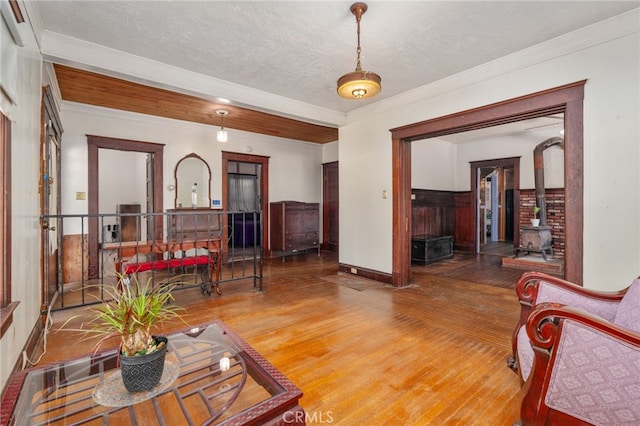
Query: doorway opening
x=244 y=200
x=496 y=189
x=567 y=99
x=152 y=183
x=246 y=171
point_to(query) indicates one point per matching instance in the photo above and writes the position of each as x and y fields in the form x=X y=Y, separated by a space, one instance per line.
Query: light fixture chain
x=358 y=50
x=359 y=84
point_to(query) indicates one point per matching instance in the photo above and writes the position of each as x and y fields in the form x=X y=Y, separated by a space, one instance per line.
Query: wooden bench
x=126 y=251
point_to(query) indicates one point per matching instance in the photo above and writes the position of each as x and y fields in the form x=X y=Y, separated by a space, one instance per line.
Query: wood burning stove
x=535 y=239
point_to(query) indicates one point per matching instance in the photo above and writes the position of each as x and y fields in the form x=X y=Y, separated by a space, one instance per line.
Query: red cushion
x=158 y=265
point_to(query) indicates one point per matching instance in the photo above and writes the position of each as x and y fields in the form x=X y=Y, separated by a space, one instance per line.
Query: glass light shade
x=359 y=85
x=222 y=135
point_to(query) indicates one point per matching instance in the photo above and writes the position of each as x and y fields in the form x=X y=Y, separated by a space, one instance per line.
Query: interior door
x=330 y=203
x=50 y=203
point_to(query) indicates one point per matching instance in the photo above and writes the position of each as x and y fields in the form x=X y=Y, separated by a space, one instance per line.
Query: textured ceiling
x=298 y=49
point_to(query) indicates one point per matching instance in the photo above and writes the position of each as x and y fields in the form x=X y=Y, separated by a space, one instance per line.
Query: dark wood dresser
x=294 y=227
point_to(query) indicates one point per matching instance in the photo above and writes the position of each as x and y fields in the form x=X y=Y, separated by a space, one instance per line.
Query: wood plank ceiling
x=100 y=90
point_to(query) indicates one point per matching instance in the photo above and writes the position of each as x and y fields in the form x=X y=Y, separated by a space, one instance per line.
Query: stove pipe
x=538 y=174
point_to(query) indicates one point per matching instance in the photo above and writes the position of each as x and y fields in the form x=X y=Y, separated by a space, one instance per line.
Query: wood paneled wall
x=75 y=260
x=433 y=212
x=440 y=213
x=464 y=238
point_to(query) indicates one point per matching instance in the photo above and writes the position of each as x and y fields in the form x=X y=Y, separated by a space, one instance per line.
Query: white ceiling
x=298 y=49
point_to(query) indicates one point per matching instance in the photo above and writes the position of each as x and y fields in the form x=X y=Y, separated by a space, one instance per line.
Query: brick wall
x=555 y=215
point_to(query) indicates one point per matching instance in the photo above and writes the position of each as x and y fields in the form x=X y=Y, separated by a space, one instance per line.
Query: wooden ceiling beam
x=110 y=92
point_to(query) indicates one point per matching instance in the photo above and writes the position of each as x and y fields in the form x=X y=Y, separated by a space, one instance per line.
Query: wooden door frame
x=94 y=144
x=512 y=163
x=325 y=206
x=50 y=265
x=264 y=188
x=567 y=99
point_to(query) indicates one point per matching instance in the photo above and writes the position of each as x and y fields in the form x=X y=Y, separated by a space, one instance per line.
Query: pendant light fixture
x=359 y=84
x=222 y=133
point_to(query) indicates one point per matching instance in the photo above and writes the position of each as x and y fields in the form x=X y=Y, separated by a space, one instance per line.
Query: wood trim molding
x=264 y=188
x=94 y=144
x=514 y=163
x=7 y=305
x=326 y=168
x=17 y=13
x=366 y=273
x=401 y=154
x=567 y=99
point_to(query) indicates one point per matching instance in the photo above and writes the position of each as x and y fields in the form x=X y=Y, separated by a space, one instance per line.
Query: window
x=6 y=305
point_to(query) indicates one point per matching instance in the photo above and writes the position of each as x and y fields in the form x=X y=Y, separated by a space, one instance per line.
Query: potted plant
x=535 y=221
x=131 y=312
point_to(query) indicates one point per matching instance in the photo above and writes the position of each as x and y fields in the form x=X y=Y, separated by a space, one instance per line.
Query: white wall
x=441 y=165
x=122 y=177
x=433 y=165
x=25 y=239
x=295 y=168
x=123 y=174
x=330 y=152
x=505 y=147
x=607 y=55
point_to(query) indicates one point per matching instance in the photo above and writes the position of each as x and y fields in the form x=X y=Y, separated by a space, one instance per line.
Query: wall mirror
x=193 y=183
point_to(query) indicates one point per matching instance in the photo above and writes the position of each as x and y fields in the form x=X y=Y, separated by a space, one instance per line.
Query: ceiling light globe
x=359 y=85
x=222 y=136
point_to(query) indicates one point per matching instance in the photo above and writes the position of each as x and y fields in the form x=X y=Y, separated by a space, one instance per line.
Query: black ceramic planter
x=143 y=372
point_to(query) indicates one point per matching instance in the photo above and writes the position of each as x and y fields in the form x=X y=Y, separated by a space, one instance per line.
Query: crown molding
x=70 y=51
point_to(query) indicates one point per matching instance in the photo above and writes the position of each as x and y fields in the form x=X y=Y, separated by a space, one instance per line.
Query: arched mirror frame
x=187 y=186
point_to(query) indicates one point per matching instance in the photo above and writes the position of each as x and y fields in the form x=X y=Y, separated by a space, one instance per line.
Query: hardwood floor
x=499 y=248
x=365 y=353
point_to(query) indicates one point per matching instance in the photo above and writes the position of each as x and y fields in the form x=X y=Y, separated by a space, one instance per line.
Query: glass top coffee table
x=196 y=388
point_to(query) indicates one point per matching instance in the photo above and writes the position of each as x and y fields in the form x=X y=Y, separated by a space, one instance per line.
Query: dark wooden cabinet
x=194 y=224
x=294 y=226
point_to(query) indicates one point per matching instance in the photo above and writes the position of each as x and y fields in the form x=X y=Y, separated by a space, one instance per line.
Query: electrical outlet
x=354 y=271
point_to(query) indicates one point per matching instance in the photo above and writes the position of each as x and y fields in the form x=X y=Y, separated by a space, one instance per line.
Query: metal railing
x=90 y=251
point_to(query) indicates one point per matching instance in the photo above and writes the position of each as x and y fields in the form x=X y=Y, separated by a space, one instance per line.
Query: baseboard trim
x=365 y=273
x=30 y=347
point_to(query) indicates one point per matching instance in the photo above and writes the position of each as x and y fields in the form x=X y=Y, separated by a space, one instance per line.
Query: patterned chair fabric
x=595 y=378
x=577 y=352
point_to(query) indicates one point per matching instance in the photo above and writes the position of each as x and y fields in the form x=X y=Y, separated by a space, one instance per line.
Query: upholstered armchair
x=577 y=352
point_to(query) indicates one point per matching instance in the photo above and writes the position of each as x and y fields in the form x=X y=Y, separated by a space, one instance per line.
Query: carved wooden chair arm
x=528 y=290
x=543 y=389
x=528 y=284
